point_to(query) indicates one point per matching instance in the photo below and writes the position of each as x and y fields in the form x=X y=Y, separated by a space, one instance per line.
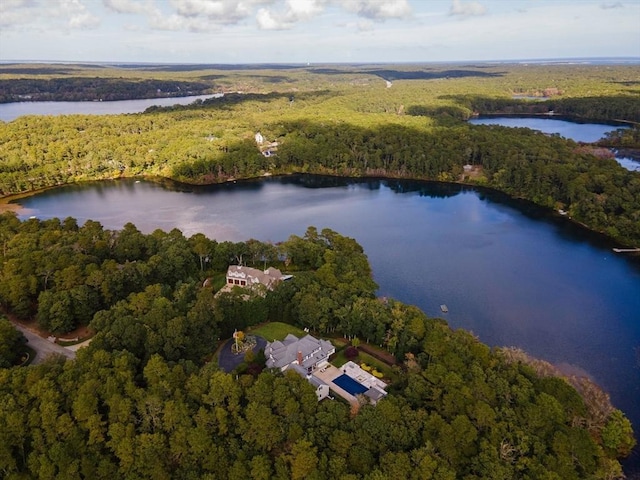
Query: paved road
x=43 y=347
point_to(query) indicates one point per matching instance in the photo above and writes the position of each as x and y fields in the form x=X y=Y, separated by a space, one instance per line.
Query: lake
x=579 y=132
x=11 y=111
x=511 y=273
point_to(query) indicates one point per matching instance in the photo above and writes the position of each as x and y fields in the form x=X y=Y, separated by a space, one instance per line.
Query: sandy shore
x=5 y=206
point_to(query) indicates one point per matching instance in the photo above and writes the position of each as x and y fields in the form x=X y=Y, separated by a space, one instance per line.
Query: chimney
x=299 y=357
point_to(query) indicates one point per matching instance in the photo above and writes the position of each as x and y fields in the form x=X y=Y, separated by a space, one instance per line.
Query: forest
x=363 y=121
x=145 y=399
x=93 y=89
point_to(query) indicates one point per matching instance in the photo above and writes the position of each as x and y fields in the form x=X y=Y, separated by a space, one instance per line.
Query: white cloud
x=295 y=11
x=73 y=13
x=607 y=6
x=77 y=14
x=269 y=21
x=304 y=9
x=221 y=11
x=16 y=12
x=378 y=9
x=467 y=9
x=83 y=20
x=128 y=6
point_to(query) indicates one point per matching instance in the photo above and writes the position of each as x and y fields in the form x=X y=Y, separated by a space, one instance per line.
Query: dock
x=626 y=250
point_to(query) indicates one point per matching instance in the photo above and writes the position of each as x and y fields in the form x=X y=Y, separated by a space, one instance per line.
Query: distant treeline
x=603 y=108
x=91 y=89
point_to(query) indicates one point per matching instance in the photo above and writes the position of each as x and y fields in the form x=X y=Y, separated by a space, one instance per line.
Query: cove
x=510 y=272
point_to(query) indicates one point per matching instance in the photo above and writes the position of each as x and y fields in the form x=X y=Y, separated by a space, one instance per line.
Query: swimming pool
x=349 y=384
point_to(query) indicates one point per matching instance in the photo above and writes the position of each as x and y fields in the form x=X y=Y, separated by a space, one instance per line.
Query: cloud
x=128 y=6
x=77 y=14
x=16 y=12
x=378 y=9
x=268 y=21
x=295 y=11
x=466 y=9
x=219 y=11
x=73 y=13
x=608 y=6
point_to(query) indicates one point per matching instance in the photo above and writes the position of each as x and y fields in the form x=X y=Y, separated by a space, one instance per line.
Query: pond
x=511 y=273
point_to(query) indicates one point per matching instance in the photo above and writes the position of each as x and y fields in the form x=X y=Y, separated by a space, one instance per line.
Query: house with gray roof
x=247 y=277
x=307 y=352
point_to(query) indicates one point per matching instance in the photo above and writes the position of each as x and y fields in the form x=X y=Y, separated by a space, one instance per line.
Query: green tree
x=10 y=341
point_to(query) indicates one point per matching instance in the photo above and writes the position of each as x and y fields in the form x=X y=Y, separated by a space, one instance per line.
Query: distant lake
x=579 y=132
x=511 y=273
x=629 y=163
x=11 y=111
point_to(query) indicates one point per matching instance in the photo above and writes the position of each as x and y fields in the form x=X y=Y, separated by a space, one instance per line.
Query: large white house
x=307 y=352
x=237 y=275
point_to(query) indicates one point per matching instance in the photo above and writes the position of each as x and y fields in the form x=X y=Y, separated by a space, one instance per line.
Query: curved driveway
x=43 y=347
x=227 y=360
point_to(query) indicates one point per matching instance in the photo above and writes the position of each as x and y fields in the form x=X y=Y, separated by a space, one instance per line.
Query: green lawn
x=276 y=331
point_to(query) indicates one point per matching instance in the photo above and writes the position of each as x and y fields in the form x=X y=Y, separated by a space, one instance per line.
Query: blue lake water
x=11 y=111
x=629 y=163
x=579 y=132
x=511 y=273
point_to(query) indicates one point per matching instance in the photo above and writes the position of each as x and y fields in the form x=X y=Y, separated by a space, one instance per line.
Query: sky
x=316 y=31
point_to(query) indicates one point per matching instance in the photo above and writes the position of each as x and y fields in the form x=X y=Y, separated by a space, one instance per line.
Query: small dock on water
x=626 y=250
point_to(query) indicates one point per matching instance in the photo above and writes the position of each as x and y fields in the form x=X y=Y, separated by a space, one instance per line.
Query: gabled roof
x=253 y=276
x=283 y=353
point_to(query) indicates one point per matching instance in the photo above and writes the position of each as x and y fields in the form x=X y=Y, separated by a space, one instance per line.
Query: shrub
x=350 y=353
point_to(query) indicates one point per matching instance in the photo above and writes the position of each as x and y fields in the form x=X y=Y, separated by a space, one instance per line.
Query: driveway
x=43 y=347
x=227 y=360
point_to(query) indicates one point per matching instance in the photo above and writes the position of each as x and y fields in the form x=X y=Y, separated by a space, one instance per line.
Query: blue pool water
x=350 y=385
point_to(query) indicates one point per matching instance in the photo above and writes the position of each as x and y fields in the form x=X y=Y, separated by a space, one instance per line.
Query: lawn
x=276 y=331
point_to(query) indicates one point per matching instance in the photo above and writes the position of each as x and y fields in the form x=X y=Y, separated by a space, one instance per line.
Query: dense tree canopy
x=144 y=401
x=10 y=342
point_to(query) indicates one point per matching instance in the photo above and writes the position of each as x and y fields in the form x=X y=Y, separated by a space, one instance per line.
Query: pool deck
x=327 y=375
x=367 y=379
